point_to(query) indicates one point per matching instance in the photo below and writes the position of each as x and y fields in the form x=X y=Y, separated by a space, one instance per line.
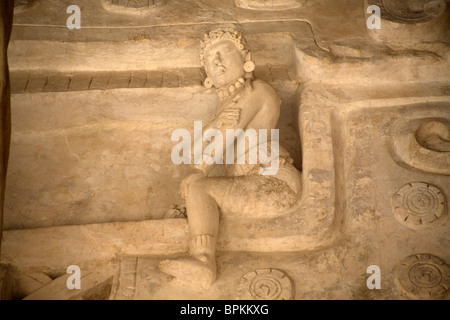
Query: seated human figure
x=243 y=190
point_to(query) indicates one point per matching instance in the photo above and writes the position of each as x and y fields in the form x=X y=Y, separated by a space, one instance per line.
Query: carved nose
x=217 y=59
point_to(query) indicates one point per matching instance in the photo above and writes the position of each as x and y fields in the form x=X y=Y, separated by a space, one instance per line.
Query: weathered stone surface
x=6 y=282
x=27 y=283
x=6 y=17
x=269 y=4
x=365 y=115
x=90 y=246
x=94 y=286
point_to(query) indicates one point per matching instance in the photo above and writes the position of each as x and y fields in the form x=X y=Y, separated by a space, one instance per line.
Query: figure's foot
x=193 y=270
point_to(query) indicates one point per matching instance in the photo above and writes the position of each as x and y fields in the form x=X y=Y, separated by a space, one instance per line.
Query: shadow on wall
x=6 y=17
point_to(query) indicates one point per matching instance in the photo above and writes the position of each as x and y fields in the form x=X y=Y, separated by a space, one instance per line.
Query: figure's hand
x=229 y=117
x=176 y=212
x=187 y=181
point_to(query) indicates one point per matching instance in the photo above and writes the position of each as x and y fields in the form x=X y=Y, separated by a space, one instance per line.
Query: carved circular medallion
x=419 y=205
x=424 y=276
x=265 y=284
x=410 y=11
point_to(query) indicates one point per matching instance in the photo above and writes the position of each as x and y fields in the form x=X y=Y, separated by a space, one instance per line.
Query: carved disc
x=265 y=284
x=249 y=66
x=419 y=205
x=424 y=276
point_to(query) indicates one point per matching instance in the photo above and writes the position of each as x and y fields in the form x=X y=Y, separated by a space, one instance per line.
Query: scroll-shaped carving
x=265 y=284
x=410 y=11
x=419 y=205
x=269 y=4
x=423 y=144
x=434 y=135
x=424 y=276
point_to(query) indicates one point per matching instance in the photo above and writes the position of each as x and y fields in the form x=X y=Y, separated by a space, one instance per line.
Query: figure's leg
x=204 y=197
x=203 y=219
x=201 y=208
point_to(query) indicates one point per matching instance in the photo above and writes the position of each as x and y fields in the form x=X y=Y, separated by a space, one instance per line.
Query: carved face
x=224 y=63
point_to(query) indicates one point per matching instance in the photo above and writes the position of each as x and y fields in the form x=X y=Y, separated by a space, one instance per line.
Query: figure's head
x=223 y=54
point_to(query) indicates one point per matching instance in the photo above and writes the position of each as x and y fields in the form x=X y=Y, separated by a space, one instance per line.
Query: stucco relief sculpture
x=242 y=190
x=365 y=112
x=423 y=276
x=434 y=135
x=265 y=284
x=422 y=144
x=419 y=205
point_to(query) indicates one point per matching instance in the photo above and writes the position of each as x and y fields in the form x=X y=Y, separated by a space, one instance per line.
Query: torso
x=262 y=101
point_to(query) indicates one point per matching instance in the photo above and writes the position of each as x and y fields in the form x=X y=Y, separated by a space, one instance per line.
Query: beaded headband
x=222 y=34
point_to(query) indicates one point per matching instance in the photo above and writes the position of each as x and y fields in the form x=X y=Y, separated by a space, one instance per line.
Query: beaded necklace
x=231 y=89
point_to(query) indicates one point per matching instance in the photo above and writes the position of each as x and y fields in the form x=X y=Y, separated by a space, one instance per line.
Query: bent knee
x=197 y=186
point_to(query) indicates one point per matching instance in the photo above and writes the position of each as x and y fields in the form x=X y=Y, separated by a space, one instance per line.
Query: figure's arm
x=233 y=116
x=238 y=116
x=261 y=111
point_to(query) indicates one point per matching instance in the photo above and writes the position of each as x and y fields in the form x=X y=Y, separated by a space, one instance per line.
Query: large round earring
x=249 y=66
x=208 y=83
